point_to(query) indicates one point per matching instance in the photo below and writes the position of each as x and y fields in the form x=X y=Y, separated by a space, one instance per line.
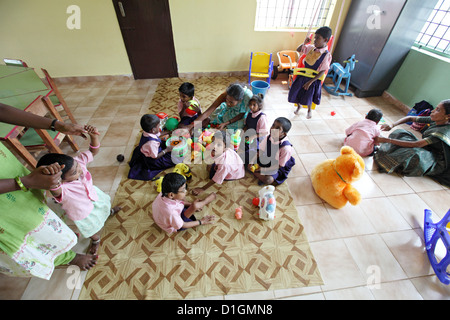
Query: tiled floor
x=371 y=251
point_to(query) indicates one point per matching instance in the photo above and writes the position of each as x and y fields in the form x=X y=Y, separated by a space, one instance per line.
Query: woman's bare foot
x=115 y=210
x=84 y=261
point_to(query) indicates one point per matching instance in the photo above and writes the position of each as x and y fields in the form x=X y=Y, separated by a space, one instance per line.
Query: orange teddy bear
x=332 y=178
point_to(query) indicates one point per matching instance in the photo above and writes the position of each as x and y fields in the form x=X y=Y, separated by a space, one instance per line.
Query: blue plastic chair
x=433 y=232
x=338 y=73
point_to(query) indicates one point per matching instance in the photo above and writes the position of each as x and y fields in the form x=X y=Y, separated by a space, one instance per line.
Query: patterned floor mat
x=140 y=261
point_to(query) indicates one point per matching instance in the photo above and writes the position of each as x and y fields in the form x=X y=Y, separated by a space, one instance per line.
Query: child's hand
x=197 y=191
x=385 y=127
x=307 y=84
x=208 y=219
x=307 y=41
x=222 y=126
x=91 y=130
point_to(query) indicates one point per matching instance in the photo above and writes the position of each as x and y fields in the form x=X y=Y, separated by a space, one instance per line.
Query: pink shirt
x=167 y=213
x=150 y=149
x=283 y=154
x=77 y=196
x=360 y=136
x=229 y=165
x=181 y=106
x=325 y=65
x=262 y=127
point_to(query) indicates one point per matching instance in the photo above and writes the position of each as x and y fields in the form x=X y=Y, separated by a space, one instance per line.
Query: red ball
x=255 y=201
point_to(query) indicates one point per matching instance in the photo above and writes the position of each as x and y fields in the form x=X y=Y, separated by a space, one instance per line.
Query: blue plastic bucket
x=260 y=86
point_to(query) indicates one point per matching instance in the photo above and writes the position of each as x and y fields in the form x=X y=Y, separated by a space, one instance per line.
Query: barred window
x=272 y=15
x=435 y=35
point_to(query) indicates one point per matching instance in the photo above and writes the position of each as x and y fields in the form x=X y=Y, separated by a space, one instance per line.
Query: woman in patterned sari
x=402 y=152
x=33 y=240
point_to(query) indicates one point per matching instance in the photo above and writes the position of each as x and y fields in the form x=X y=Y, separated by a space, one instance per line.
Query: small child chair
x=433 y=232
x=261 y=66
x=338 y=73
x=288 y=61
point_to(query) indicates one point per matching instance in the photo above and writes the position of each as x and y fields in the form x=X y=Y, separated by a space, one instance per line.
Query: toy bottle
x=236 y=139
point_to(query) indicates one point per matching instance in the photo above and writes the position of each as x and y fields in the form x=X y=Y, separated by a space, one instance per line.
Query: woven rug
x=140 y=261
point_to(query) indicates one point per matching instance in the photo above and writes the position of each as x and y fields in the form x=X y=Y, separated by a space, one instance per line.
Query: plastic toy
x=193 y=105
x=236 y=139
x=163 y=116
x=266 y=202
x=238 y=213
x=338 y=73
x=288 y=61
x=254 y=167
x=158 y=183
x=172 y=124
x=433 y=232
x=206 y=137
x=184 y=170
x=197 y=149
x=180 y=146
x=180 y=168
x=333 y=113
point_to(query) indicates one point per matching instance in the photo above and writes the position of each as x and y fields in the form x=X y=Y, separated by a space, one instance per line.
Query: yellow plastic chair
x=261 y=66
x=310 y=73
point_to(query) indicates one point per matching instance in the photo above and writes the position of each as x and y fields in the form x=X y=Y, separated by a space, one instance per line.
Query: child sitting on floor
x=188 y=110
x=227 y=165
x=361 y=135
x=85 y=204
x=171 y=213
x=151 y=156
x=304 y=90
x=275 y=155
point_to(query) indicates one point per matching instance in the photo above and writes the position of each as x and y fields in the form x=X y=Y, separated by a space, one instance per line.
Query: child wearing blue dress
x=151 y=156
x=304 y=90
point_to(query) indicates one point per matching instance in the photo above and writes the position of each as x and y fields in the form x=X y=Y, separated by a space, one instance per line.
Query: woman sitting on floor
x=402 y=152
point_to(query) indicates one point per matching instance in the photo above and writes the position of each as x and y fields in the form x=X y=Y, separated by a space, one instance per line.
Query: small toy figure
x=266 y=202
x=238 y=213
x=254 y=167
x=236 y=139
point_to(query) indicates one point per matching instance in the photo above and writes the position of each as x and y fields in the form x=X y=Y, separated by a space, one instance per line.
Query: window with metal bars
x=435 y=35
x=273 y=15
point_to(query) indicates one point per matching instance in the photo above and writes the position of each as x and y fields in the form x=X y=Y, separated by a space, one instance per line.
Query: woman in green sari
x=402 y=152
x=33 y=240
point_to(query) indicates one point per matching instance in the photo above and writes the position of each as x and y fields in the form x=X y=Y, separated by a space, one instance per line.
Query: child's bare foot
x=95 y=244
x=309 y=114
x=84 y=261
x=115 y=210
x=297 y=112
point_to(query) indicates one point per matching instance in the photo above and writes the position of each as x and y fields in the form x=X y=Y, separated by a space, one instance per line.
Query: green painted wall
x=422 y=76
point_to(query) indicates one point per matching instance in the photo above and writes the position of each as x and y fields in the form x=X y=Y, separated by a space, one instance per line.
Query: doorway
x=147 y=33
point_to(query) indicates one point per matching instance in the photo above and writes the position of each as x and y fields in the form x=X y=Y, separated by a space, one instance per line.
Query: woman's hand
x=71 y=129
x=44 y=177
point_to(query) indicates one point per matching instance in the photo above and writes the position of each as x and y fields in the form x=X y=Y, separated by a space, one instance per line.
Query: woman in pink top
x=171 y=213
x=361 y=135
x=227 y=165
x=83 y=203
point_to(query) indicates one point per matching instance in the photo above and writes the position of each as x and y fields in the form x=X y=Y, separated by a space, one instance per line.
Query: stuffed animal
x=332 y=178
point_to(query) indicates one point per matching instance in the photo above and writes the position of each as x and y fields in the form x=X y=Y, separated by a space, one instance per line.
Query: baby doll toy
x=266 y=203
